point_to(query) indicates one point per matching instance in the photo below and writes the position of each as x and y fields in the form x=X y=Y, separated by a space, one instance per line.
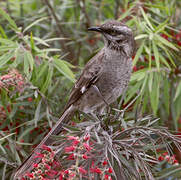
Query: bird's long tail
x=27 y=165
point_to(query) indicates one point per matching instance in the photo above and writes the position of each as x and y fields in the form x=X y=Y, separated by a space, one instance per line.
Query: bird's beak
x=97 y=29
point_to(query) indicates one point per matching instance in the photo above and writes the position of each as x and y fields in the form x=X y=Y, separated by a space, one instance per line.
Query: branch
x=60 y=30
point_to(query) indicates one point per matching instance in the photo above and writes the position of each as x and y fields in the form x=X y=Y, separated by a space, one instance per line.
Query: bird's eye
x=114 y=32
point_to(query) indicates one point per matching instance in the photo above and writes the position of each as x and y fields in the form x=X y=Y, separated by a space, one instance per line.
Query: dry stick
x=83 y=9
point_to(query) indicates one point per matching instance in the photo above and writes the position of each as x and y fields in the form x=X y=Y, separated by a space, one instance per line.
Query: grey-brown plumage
x=104 y=78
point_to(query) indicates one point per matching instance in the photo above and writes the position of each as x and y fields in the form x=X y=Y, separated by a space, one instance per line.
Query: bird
x=104 y=78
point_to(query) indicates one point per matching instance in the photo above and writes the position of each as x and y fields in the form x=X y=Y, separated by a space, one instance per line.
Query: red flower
x=165 y=154
x=135 y=69
x=30 y=175
x=96 y=170
x=86 y=138
x=72 y=138
x=164 y=36
x=104 y=163
x=75 y=142
x=71 y=157
x=84 y=156
x=107 y=177
x=110 y=170
x=47 y=166
x=82 y=170
x=69 y=149
x=39 y=155
x=87 y=147
x=52 y=173
x=167 y=157
x=35 y=165
x=161 y=158
x=56 y=163
x=175 y=161
x=66 y=172
x=46 y=148
x=60 y=177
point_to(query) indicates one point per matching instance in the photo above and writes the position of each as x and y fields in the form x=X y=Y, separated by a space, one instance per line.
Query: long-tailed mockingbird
x=104 y=78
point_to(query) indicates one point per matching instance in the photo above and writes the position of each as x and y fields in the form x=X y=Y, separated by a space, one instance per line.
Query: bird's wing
x=89 y=76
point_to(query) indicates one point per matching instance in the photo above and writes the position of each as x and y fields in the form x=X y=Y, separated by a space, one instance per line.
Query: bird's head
x=117 y=36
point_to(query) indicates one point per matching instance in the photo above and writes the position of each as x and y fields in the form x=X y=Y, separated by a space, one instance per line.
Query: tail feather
x=27 y=165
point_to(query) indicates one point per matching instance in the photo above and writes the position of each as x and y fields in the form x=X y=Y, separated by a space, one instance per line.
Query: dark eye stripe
x=112 y=32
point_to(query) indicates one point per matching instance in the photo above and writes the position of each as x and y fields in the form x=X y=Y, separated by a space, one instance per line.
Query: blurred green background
x=44 y=44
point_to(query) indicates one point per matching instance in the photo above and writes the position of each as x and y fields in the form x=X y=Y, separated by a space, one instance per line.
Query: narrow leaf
x=5 y=58
x=178 y=91
x=48 y=79
x=138 y=54
x=146 y=18
x=156 y=54
x=64 y=69
x=8 y=18
x=34 y=23
x=37 y=113
x=165 y=42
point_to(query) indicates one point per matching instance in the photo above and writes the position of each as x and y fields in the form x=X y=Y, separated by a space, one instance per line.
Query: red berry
x=30 y=99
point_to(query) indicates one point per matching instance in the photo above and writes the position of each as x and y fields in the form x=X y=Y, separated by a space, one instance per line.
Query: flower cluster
x=47 y=168
x=168 y=158
x=76 y=161
x=80 y=152
x=12 y=79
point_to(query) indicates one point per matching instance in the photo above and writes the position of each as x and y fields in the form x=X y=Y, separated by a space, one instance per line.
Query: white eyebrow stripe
x=122 y=28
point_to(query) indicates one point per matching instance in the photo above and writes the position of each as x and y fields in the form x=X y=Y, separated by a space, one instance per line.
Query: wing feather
x=89 y=76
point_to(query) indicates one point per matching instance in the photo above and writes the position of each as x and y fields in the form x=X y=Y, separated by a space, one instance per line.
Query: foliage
x=35 y=80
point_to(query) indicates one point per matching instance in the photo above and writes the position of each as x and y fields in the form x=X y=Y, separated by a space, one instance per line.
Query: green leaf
x=43 y=70
x=7 y=41
x=141 y=36
x=138 y=54
x=177 y=112
x=48 y=79
x=3 y=138
x=34 y=23
x=161 y=26
x=146 y=18
x=167 y=52
x=32 y=43
x=5 y=58
x=3 y=32
x=156 y=54
x=64 y=69
x=37 y=113
x=8 y=18
x=25 y=132
x=150 y=82
x=28 y=56
x=154 y=94
x=54 y=39
x=132 y=91
x=178 y=91
x=139 y=75
x=41 y=41
x=166 y=95
x=164 y=61
x=26 y=66
x=165 y=42
x=126 y=13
